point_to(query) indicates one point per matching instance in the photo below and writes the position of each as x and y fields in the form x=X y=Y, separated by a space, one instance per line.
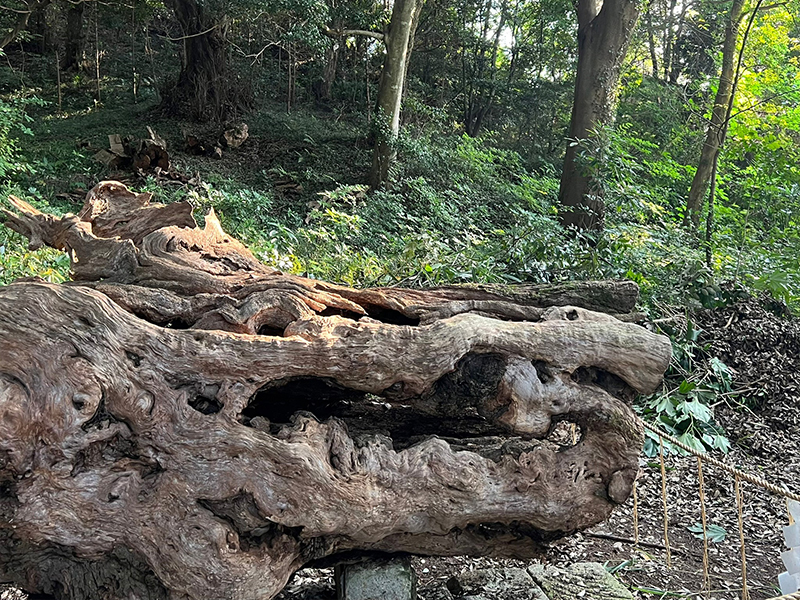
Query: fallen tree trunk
x=182 y=421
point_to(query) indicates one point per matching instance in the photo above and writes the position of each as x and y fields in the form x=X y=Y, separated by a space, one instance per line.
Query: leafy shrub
x=693 y=383
x=13 y=119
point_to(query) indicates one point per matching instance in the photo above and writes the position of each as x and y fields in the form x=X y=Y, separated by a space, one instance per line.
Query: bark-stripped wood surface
x=184 y=422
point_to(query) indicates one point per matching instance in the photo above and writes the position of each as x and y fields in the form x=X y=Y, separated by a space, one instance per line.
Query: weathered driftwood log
x=182 y=421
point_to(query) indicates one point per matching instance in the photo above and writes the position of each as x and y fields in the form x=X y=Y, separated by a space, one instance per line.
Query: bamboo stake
x=635 y=516
x=664 y=499
x=706 y=578
x=740 y=510
x=133 y=53
x=96 y=54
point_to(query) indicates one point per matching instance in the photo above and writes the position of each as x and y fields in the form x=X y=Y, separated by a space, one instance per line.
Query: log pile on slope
x=182 y=421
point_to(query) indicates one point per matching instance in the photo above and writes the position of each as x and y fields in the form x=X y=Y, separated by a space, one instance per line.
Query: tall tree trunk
x=667 y=37
x=74 y=39
x=715 y=136
x=324 y=86
x=675 y=65
x=202 y=84
x=412 y=36
x=40 y=31
x=603 y=38
x=390 y=92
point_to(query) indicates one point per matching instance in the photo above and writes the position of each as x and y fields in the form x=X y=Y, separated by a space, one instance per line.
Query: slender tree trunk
x=202 y=84
x=651 y=40
x=603 y=38
x=675 y=65
x=667 y=37
x=412 y=36
x=37 y=26
x=390 y=92
x=74 y=39
x=715 y=135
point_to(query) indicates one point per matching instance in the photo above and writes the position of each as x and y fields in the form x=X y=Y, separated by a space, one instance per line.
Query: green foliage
x=694 y=382
x=714 y=533
x=16 y=261
x=14 y=120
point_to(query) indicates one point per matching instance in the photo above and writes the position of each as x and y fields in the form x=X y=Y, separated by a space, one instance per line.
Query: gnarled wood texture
x=184 y=422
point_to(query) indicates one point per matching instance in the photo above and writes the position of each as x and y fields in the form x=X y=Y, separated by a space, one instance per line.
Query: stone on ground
x=585 y=581
x=390 y=579
x=494 y=584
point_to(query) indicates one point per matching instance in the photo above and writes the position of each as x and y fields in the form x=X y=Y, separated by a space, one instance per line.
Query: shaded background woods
x=493 y=93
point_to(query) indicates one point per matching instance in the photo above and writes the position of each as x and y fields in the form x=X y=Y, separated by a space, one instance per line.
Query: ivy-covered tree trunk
x=74 y=38
x=203 y=87
x=603 y=38
x=717 y=128
x=390 y=93
x=184 y=422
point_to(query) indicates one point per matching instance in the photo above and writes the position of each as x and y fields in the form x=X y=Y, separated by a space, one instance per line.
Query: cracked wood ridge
x=182 y=421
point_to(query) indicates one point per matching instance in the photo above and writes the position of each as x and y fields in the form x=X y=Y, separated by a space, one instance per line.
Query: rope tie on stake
x=706 y=577
x=664 y=500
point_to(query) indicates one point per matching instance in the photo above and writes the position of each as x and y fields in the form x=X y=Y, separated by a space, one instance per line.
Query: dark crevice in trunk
x=389 y=316
x=544 y=371
x=133 y=357
x=452 y=409
x=606 y=381
x=340 y=312
x=268 y=330
x=469 y=388
x=114 y=449
x=280 y=400
x=200 y=396
x=177 y=324
x=351 y=557
x=207 y=406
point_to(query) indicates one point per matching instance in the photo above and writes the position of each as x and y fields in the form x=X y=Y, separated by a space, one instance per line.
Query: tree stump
x=181 y=421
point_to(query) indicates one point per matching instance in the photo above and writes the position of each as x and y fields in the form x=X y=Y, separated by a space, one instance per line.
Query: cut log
x=182 y=421
x=138 y=155
x=234 y=136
